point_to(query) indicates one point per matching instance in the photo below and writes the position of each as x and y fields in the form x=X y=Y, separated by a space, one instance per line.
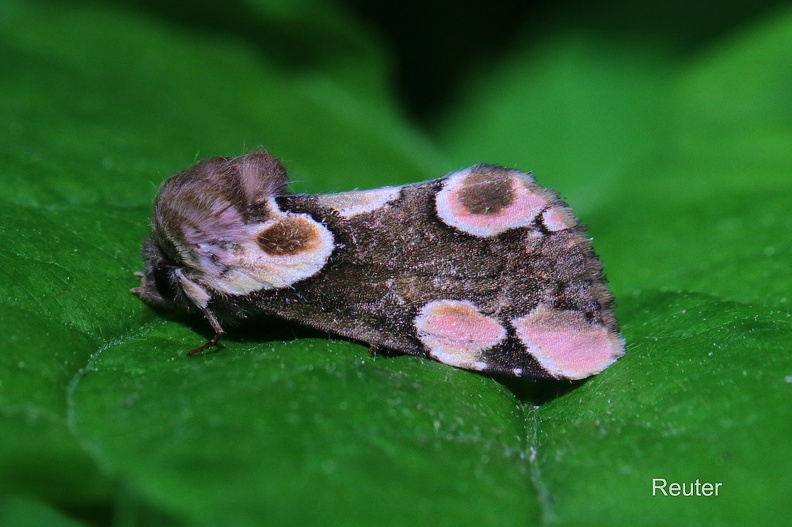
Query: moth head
x=201 y=221
x=157 y=286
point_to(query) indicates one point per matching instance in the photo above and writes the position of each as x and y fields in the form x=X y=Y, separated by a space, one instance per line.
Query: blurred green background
x=666 y=125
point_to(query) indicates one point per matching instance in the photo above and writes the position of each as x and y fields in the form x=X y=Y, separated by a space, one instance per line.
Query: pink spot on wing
x=522 y=211
x=566 y=344
x=349 y=204
x=456 y=333
x=557 y=219
x=297 y=249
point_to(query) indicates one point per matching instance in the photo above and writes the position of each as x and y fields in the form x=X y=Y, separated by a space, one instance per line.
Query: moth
x=482 y=269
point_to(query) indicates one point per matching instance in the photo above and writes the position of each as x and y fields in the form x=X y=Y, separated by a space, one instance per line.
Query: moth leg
x=374 y=350
x=200 y=297
x=138 y=290
x=219 y=333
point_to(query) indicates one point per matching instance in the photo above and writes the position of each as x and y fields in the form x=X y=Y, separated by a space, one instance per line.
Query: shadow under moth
x=482 y=269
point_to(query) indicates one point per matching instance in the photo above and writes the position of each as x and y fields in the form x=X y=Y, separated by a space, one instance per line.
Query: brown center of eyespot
x=288 y=237
x=486 y=193
x=453 y=310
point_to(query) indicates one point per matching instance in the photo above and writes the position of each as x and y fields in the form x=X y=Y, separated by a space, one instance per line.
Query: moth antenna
x=219 y=333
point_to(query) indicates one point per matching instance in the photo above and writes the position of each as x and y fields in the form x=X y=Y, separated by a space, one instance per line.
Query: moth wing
x=483 y=270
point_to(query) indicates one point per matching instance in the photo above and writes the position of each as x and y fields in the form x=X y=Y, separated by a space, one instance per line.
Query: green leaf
x=680 y=169
x=303 y=432
x=576 y=110
x=21 y=512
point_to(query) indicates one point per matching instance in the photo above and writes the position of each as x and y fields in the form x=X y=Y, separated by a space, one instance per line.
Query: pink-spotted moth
x=482 y=269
